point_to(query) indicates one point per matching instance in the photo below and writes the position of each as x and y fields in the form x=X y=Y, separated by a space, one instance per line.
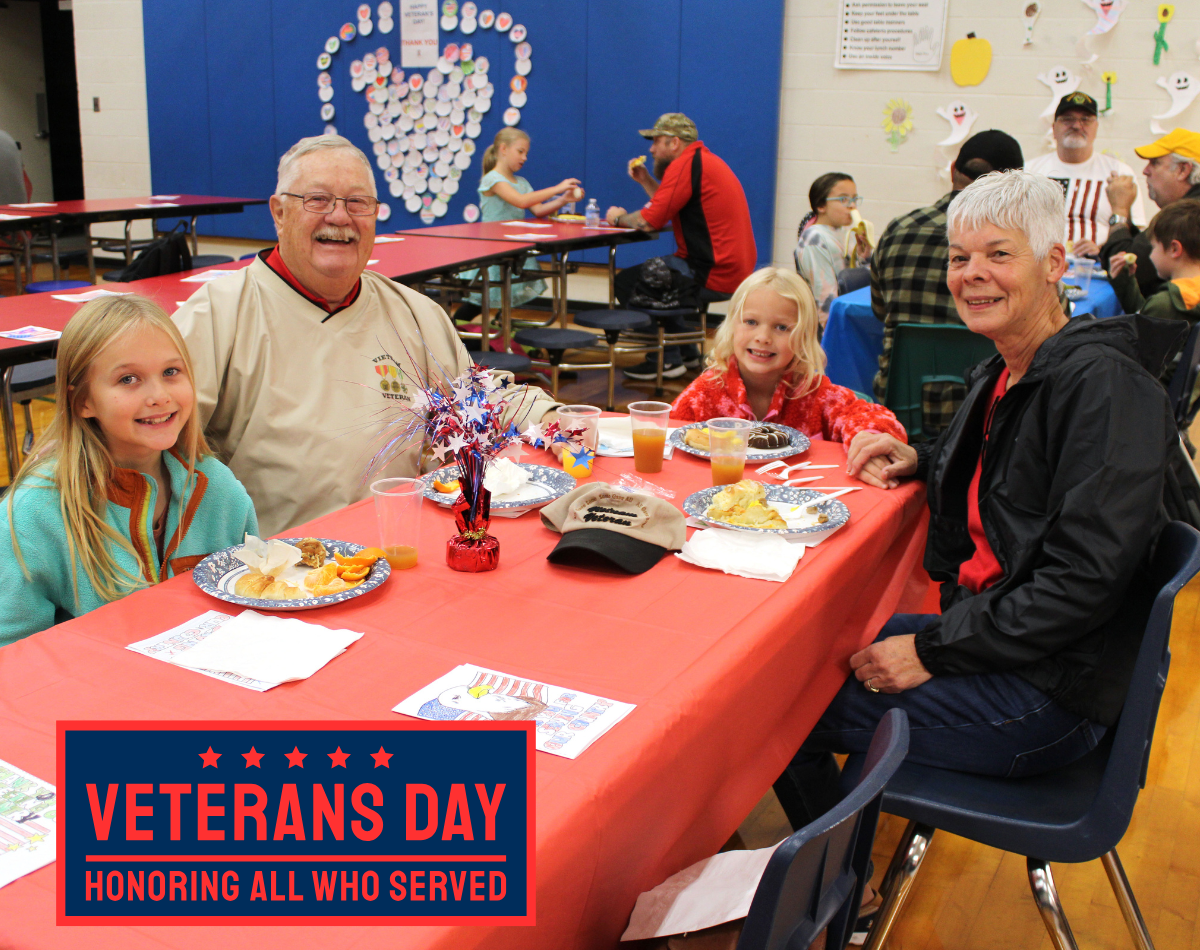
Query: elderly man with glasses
x=1083 y=173
x=302 y=357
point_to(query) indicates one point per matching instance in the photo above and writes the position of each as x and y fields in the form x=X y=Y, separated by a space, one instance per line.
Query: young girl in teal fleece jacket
x=121 y=491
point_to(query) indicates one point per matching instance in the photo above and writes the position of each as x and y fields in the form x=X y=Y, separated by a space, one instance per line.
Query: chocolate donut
x=767 y=437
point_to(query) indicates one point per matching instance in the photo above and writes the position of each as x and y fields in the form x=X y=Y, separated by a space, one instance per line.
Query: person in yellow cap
x=1172 y=172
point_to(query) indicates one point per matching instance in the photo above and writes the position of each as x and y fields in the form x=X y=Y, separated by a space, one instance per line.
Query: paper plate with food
x=767 y=509
x=768 y=440
x=515 y=486
x=291 y=573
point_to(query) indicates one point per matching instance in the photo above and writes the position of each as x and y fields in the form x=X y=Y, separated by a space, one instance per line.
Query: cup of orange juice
x=649 y=422
x=398 y=510
x=727 y=443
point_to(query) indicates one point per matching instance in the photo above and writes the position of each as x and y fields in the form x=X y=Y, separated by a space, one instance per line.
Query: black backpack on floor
x=167 y=254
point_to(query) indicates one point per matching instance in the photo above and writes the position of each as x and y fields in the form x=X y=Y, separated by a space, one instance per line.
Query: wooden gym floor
x=968 y=897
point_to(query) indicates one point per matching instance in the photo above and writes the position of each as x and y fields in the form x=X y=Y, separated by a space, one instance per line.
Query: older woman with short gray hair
x=1045 y=496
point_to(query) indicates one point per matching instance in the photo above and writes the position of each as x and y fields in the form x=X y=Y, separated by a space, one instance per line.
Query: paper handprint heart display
x=422 y=125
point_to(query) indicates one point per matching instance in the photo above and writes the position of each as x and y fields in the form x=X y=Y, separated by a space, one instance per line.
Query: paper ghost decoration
x=1182 y=88
x=961 y=117
x=1107 y=13
x=1033 y=10
x=1062 y=82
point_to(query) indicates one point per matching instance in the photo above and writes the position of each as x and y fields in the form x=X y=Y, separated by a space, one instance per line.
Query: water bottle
x=591 y=214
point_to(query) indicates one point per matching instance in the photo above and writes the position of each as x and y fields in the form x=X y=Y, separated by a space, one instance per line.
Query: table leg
x=128 y=243
x=506 y=305
x=10 y=427
x=91 y=253
x=562 y=284
x=21 y=260
x=195 y=239
x=485 y=310
x=54 y=252
x=612 y=279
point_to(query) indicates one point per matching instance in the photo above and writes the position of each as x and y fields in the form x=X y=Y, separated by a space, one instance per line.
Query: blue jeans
x=986 y=723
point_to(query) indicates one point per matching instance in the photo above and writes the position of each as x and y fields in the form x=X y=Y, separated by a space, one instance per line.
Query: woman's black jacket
x=1071 y=500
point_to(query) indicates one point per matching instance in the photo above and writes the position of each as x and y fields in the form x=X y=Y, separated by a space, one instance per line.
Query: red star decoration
x=295 y=757
x=381 y=758
x=209 y=757
x=252 y=758
x=339 y=758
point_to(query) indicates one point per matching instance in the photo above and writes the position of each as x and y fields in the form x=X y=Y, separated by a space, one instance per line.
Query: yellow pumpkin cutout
x=970 y=60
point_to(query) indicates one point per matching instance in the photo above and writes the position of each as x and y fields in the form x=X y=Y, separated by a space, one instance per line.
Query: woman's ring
x=868 y=685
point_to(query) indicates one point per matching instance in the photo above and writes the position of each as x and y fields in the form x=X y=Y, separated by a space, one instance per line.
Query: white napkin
x=387 y=239
x=504 y=476
x=616 y=438
x=205 y=276
x=764 y=557
x=267 y=648
x=267 y=557
x=89 y=295
x=710 y=892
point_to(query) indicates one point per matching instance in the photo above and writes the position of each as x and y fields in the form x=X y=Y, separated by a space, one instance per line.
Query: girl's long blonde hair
x=808 y=359
x=505 y=136
x=72 y=455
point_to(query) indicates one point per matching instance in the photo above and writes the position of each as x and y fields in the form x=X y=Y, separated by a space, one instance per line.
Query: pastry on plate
x=282 y=590
x=312 y=552
x=697 y=438
x=745 y=504
x=767 y=437
x=252 y=584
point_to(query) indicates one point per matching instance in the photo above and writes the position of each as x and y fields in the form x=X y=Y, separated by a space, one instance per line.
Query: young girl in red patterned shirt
x=766 y=364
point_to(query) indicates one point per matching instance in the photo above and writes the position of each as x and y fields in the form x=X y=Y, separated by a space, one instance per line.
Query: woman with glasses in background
x=821 y=246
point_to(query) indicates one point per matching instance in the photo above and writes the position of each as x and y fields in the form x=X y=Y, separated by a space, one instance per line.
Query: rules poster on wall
x=307 y=823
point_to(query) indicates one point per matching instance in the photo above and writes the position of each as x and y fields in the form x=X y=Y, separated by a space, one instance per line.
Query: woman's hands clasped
x=880 y=460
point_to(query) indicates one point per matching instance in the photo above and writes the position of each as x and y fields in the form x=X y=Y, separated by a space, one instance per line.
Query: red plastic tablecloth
x=728 y=674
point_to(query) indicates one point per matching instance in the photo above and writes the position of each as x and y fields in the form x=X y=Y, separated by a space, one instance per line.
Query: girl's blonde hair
x=808 y=359
x=72 y=455
x=505 y=136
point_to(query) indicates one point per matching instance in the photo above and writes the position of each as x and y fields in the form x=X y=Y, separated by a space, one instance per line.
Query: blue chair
x=1183 y=382
x=815 y=879
x=1074 y=814
x=55 y=286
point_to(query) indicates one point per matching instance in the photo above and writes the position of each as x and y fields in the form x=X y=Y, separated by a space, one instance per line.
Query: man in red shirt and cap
x=703 y=199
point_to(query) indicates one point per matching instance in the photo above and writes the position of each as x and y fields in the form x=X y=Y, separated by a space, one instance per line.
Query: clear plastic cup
x=398 y=509
x=582 y=417
x=727 y=443
x=1079 y=276
x=649 y=422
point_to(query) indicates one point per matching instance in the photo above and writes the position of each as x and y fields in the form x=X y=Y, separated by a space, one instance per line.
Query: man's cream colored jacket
x=296 y=400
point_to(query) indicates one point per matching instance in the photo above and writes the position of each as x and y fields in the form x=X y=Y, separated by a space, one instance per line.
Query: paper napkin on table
x=763 y=557
x=616 y=438
x=205 y=276
x=268 y=648
x=90 y=295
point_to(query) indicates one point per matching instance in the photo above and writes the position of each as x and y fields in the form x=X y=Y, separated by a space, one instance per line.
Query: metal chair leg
x=27 y=440
x=1126 y=901
x=1041 y=881
x=10 y=424
x=612 y=374
x=899 y=881
x=662 y=349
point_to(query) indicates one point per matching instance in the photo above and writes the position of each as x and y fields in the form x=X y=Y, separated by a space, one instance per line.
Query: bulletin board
x=232 y=85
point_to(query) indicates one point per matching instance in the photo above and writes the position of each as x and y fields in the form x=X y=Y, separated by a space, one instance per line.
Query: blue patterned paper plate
x=218 y=572
x=697 y=504
x=799 y=443
x=548 y=483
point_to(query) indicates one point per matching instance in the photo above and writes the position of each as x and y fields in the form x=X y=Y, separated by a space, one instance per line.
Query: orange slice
x=352 y=573
x=446 y=488
x=376 y=553
x=321 y=576
x=356 y=560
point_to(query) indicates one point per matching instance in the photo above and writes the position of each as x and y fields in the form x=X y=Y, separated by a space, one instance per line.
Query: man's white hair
x=1015 y=200
x=1194 y=177
x=289 y=167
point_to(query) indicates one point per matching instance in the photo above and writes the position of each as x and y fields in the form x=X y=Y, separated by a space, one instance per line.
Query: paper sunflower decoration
x=1108 y=78
x=1165 y=12
x=897 y=122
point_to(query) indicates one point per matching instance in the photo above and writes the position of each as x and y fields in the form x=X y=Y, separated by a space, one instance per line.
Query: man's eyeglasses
x=848 y=201
x=1075 y=118
x=319 y=203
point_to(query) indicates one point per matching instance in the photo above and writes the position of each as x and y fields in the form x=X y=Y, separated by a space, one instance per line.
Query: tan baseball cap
x=672 y=123
x=1179 y=141
x=599 y=522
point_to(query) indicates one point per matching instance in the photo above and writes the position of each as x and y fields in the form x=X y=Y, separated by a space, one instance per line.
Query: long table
x=555 y=238
x=91 y=211
x=728 y=674
x=16 y=219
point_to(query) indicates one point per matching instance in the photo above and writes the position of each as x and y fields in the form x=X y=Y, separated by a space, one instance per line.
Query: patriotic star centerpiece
x=463 y=420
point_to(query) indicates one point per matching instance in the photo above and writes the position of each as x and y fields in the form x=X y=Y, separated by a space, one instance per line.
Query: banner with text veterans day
x=295 y=823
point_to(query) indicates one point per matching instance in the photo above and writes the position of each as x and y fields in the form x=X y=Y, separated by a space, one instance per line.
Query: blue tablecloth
x=853 y=337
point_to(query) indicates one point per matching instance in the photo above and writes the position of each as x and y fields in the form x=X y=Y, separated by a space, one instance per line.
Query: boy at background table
x=1174 y=235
